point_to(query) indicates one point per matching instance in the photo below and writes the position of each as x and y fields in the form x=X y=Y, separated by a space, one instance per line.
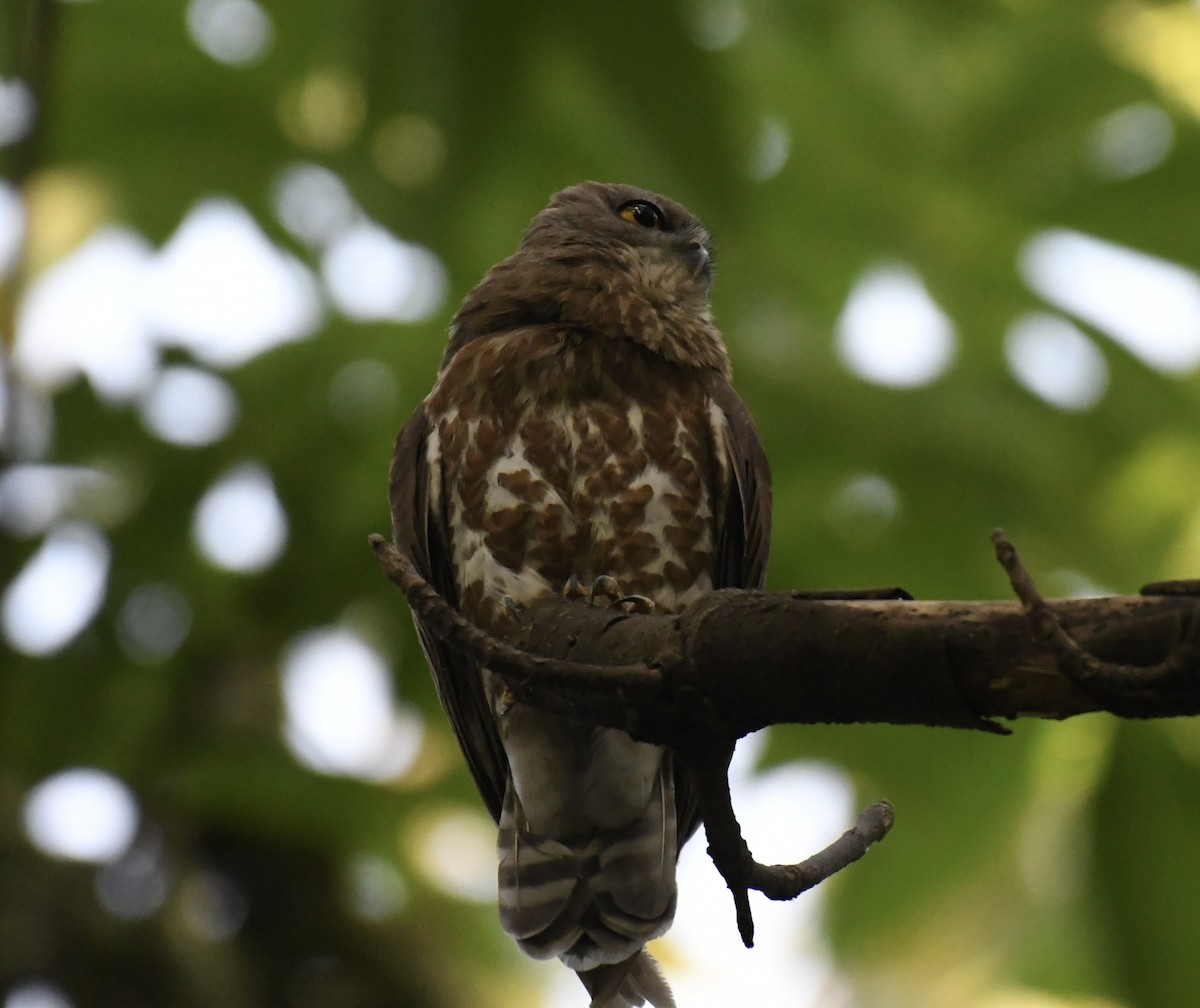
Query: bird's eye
x=641 y=212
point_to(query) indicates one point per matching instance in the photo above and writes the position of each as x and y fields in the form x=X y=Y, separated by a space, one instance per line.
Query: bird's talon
x=606 y=587
x=574 y=589
x=634 y=604
x=512 y=607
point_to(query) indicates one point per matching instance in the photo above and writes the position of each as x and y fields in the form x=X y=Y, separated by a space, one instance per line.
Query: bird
x=582 y=427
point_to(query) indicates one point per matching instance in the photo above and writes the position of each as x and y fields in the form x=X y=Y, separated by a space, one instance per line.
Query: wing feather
x=423 y=535
x=743 y=533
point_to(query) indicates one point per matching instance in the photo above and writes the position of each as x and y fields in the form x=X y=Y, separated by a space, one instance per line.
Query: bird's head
x=653 y=237
x=610 y=260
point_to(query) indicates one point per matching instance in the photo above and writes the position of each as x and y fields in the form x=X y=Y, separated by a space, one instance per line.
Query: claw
x=604 y=587
x=512 y=607
x=506 y=702
x=635 y=604
x=574 y=588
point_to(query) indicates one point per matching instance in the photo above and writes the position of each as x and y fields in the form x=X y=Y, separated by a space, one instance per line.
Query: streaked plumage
x=582 y=424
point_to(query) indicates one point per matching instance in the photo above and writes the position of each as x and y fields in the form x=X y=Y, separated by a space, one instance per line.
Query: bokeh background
x=957 y=246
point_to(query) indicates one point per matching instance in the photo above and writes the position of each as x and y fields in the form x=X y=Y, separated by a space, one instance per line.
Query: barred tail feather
x=592 y=900
x=542 y=895
x=636 y=981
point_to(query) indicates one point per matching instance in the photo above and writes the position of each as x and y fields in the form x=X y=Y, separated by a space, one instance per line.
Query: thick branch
x=736 y=661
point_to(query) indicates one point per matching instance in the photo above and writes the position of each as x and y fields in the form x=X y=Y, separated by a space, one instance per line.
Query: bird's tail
x=595 y=900
x=628 y=984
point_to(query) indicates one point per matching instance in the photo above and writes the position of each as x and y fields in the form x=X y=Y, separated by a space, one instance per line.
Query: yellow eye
x=640 y=212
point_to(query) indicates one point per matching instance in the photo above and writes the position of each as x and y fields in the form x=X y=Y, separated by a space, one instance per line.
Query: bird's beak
x=701 y=260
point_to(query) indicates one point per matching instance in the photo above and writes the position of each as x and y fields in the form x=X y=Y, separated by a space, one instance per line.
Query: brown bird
x=582 y=425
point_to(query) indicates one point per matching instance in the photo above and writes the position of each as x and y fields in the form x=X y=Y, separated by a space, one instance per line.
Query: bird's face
x=655 y=239
x=612 y=261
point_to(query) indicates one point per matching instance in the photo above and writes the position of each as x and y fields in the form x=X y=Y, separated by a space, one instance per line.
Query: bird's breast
x=559 y=460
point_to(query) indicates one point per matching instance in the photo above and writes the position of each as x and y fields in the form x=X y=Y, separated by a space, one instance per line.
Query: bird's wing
x=423 y=536
x=743 y=533
x=744 y=529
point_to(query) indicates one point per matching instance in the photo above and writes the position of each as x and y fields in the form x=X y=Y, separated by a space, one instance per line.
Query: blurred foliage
x=940 y=135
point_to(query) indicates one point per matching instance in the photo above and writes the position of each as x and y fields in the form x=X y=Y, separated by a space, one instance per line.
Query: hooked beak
x=701 y=259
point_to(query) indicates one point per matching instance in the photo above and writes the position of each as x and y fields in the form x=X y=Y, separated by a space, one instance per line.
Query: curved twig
x=784 y=882
x=708 y=764
x=516 y=666
x=1126 y=690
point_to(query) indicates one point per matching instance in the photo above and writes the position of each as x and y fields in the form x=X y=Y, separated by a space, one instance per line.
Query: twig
x=784 y=882
x=1189 y=588
x=1127 y=690
x=520 y=669
x=708 y=764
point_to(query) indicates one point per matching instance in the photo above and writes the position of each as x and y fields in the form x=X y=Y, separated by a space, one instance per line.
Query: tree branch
x=735 y=661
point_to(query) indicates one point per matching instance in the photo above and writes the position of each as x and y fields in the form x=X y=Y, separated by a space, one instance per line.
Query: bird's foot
x=606 y=590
